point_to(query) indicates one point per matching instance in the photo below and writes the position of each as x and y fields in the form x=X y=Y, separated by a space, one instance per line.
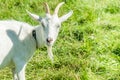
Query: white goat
x=19 y=40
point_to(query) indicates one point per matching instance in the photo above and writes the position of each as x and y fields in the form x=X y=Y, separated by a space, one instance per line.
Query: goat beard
x=50 y=54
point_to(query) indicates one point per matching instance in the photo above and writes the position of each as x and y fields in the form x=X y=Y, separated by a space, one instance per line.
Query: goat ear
x=34 y=16
x=66 y=16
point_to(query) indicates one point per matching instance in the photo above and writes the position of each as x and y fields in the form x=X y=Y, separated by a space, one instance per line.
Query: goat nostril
x=49 y=39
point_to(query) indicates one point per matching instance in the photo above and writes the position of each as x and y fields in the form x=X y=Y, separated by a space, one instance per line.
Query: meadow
x=88 y=45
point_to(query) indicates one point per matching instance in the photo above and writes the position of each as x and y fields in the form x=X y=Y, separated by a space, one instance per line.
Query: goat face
x=51 y=27
x=51 y=23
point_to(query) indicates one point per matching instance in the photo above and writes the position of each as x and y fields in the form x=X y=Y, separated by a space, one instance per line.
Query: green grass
x=88 y=45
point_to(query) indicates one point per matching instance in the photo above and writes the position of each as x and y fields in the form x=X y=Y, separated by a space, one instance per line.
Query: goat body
x=16 y=42
x=17 y=45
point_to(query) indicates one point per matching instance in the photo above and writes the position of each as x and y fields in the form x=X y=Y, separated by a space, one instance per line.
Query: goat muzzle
x=49 y=40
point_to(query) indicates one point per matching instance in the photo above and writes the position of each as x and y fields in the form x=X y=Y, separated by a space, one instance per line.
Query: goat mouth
x=49 y=44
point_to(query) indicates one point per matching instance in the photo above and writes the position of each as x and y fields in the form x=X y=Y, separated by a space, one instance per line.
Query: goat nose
x=49 y=39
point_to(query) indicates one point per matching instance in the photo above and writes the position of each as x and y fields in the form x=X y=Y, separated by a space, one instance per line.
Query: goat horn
x=47 y=8
x=57 y=8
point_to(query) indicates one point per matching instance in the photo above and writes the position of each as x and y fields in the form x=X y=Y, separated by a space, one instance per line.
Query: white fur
x=17 y=44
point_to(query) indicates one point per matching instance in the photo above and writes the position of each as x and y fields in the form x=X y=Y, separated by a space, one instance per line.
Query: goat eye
x=58 y=26
x=43 y=24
